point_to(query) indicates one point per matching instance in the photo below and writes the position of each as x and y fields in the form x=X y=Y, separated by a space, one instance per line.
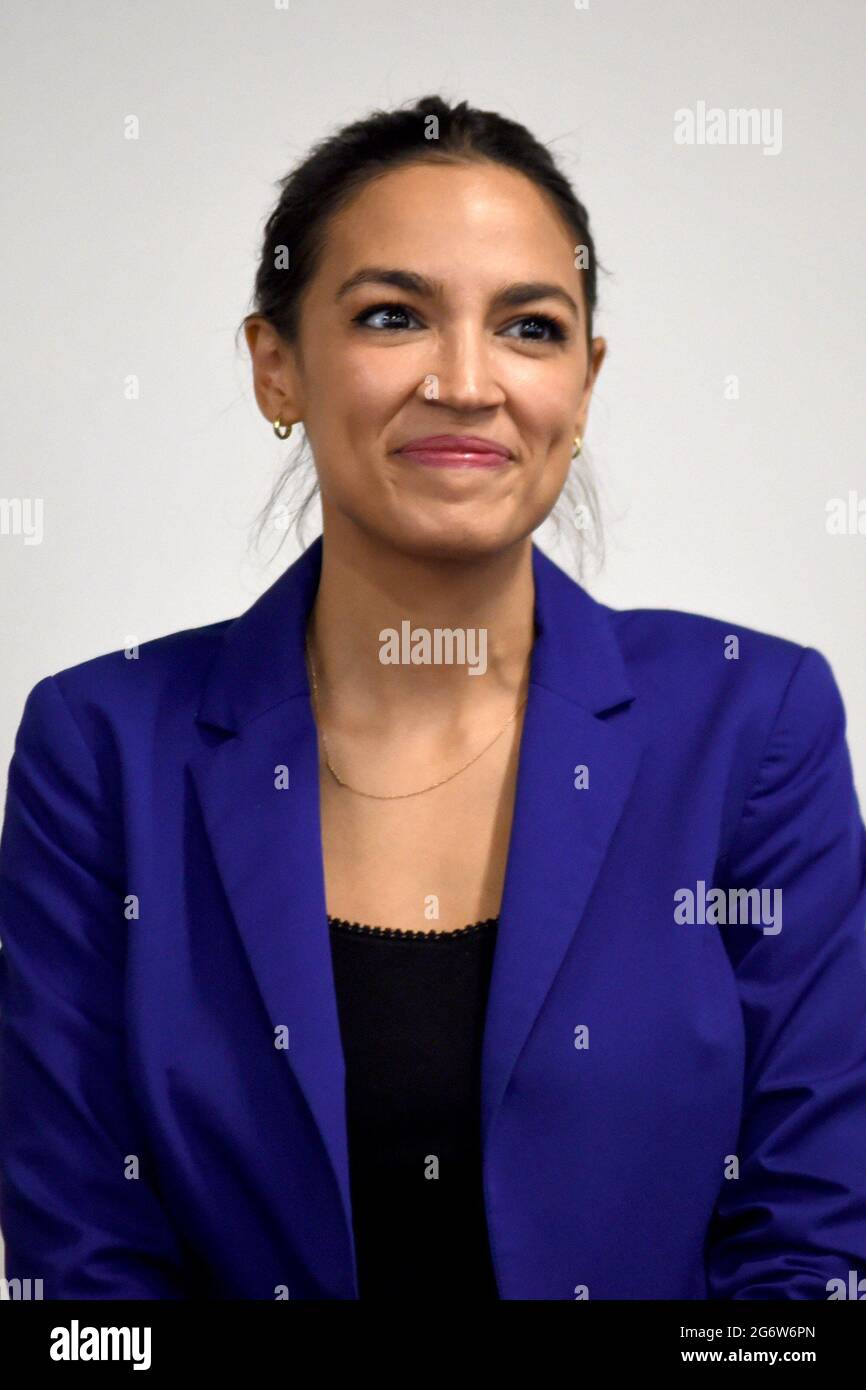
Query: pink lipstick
x=456 y=451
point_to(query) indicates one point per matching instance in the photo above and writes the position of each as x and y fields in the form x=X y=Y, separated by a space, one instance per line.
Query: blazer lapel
x=266 y=838
x=267 y=841
x=560 y=831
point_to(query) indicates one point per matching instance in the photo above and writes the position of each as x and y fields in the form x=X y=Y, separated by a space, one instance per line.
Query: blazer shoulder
x=761 y=695
x=165 y=671
x=699 y=658
x=673 y=629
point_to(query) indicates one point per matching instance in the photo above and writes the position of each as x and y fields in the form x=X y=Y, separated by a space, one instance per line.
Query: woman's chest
x=434 y=861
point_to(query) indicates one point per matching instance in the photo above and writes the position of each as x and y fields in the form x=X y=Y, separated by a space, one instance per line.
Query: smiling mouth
x=456 y=453
x=441 y=458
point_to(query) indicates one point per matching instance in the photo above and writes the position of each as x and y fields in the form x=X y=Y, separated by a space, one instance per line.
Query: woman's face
x=406 y=332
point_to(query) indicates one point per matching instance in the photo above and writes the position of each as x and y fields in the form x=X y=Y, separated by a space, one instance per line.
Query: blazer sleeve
x=70 y=1213
x=795 y=1218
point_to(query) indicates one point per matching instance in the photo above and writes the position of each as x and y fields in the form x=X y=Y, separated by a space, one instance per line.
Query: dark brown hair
x=430 y=130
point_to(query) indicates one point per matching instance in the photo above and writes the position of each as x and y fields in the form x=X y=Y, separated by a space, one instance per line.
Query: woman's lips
x=456 y=452
x=445 y=458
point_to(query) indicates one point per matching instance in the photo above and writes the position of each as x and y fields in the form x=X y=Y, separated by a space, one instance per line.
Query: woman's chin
x=458 y=539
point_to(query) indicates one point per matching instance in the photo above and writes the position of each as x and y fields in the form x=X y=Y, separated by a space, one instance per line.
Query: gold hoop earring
x=281 y=430
x=578 y=445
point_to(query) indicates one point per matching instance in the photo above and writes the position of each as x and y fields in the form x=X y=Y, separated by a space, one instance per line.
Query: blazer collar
x=266 y=842
x=261 y=658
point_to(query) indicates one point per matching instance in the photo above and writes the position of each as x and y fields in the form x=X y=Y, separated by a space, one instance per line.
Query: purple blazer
x=674 y=1073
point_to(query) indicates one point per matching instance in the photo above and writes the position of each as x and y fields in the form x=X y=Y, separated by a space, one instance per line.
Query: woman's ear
x=275 y=376
x=596 y=358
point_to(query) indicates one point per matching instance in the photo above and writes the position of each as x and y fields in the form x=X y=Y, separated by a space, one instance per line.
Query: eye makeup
x=556 y=329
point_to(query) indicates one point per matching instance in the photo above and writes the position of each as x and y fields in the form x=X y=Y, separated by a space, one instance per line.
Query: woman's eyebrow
x=509 y=296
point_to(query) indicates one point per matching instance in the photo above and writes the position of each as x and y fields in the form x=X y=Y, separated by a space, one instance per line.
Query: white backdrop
x=729 y=413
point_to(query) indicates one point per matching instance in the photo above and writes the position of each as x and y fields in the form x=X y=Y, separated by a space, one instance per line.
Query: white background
x=137 y=257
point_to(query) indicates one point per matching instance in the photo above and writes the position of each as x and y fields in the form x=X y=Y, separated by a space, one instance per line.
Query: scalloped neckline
x=400 y=934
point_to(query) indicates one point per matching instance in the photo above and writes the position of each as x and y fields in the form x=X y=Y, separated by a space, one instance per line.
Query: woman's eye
x=387 y=314
x=392 y=318
x=554 y=329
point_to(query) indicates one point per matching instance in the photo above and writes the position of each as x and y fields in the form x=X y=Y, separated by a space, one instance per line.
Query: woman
x=431 y=929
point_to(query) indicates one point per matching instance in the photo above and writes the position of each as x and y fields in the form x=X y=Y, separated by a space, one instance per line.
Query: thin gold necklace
x=397 y=796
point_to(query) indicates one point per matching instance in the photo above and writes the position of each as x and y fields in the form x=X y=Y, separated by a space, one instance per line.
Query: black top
x=411 y=1006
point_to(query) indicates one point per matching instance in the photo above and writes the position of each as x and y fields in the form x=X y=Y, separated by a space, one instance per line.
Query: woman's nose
x=463 y=371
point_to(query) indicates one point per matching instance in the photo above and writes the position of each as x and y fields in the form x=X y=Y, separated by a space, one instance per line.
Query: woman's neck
x=468 y=625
